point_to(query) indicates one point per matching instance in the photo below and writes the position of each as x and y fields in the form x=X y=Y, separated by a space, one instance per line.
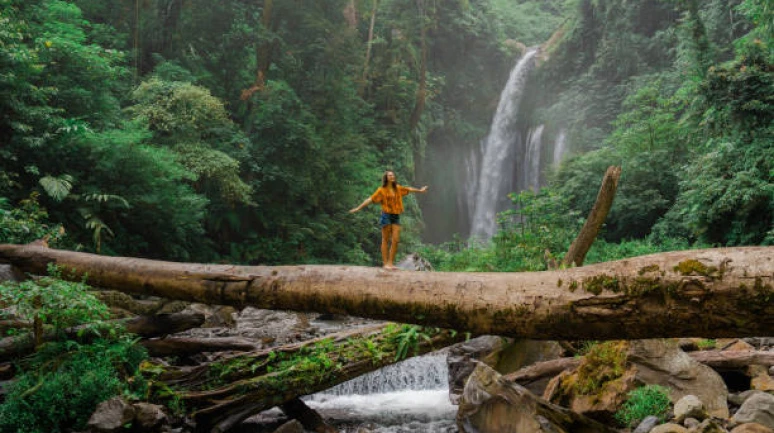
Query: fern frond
x=57 y=188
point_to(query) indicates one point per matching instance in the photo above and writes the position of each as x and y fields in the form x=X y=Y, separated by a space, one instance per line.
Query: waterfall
x=492 y=176
x=560 y=147
x=428 y=372
x=531 y=169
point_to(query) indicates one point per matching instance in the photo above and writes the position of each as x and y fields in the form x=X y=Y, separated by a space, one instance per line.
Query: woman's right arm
x=362 y=205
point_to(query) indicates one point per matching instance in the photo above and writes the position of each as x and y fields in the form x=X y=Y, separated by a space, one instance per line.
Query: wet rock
x=752 y=427
x=290 y=427
x=761 y=379
x=709 y=426
x=669 y=428
x=149 y=417
x=111 y=416
x=414 y=262
x=10 y=273
x=649 y=362
x=490 y=404
x=691 y=423
x=647 y=424
x=739 y=346
x=758 y=408
x=689 y=407
x=739 y=398
x=462 y=357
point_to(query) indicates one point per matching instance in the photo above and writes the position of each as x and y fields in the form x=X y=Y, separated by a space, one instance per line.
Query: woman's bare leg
x=386 y=233
x=394 y=246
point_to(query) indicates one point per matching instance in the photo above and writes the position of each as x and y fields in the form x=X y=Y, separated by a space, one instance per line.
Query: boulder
x=689 y=407
x=758 y=408
x=463 y=357
x=709 y=426
x=414 y=262
x=646 y=425
x=292 y=426
x=490 y=404
x=669 y=428
x=632 y=364
x=760 y=378
x=111 y=416
x=149 y=417
x=751 y=427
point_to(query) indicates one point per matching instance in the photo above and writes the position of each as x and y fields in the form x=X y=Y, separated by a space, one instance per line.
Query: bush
x=62 y=385
x=643 y=402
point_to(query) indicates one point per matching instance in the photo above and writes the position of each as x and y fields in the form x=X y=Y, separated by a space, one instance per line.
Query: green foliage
x=56 y=302
x=27 y=223
x=60 y=387
x=602 y=363
x=649 y=400
x=407 y=338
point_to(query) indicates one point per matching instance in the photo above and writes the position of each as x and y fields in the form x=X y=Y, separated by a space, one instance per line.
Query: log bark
x=151 y=326
x=308 y=417
x=733 y=360
x=223 y=393
x=710 y=293
x=192 y=346
x=542 y=370
x=582 y=244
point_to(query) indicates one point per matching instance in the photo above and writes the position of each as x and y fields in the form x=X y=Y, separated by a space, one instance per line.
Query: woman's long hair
x=385 y=181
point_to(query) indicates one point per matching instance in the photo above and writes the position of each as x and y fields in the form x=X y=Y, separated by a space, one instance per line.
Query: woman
x=390 y=196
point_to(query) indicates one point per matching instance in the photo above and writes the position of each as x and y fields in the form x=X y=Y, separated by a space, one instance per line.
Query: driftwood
x=223 y=393
x=150 y=326
x=582 y=243
x=184 y=346
x=701 y=293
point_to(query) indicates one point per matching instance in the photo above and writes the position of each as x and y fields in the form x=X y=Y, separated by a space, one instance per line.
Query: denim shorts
x=389 y=218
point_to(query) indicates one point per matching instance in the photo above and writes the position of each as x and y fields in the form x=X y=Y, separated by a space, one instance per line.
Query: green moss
x=599 y=283
x=603 y=363
x=650 y=268
x=695 y=267
x=573 y=286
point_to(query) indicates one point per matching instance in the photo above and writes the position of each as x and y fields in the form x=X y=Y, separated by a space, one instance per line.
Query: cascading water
x=531 y=168
x=408 y=397
x=491 y=183
x=560 y=147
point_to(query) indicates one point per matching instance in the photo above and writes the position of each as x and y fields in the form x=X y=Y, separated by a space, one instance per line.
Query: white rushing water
x=560 y=147
x=531 y=168
x=409 y=397
x=498 y=151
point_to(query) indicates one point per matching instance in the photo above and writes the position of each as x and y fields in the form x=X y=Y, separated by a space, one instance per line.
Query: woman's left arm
x=423 y=189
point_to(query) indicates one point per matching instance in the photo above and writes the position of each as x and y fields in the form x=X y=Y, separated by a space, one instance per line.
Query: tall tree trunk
x=582 y=244
x=724 y=292
x=364 y=81
x=419 y=104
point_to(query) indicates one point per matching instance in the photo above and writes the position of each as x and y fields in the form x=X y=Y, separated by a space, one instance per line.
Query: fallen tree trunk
x=723 y=292
x=145 y=326
x=224 y=392
x=191 y=346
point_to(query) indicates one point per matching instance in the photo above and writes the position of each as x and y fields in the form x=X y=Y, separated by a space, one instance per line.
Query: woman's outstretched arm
x=423 y=189
x=362 y=205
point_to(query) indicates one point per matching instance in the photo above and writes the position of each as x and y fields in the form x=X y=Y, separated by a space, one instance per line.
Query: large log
x=723 y=292
x=224 y=392
x=144 y=326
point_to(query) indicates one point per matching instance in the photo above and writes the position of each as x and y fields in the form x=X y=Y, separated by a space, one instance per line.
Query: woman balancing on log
x=390 y=196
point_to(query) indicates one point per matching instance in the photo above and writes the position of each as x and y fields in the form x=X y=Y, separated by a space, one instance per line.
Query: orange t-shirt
x=391 y=200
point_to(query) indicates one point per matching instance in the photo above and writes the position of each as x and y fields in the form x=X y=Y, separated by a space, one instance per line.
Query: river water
x=408 y=397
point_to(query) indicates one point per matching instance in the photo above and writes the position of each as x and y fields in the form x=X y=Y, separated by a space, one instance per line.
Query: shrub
x=643 y=402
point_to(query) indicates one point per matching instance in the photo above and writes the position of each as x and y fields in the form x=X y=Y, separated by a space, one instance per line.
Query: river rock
x=10 y=273
x=661 y=362
x=761 y=379
x=290 y=427
x=752 y=427
x=111 y=416
x=490 y=404
x=689 y=407
x=669 y=428
x=149 y=417
x=646 y=425
x=758 y=408
x=462 y=358
x=414 y=262
x=648 y=362
x=709 y=426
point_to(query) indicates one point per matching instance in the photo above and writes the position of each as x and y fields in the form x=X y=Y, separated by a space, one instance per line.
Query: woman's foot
x=390 y=267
